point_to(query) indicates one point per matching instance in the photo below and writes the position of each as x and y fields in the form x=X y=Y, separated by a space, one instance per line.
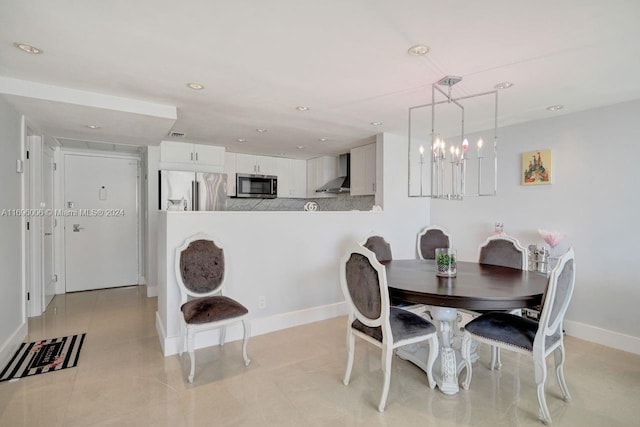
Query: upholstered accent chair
x=371 y=318
x=429 y=239
x=504 y=251
x=200 y=272
x=379 y=246
x=525 y=336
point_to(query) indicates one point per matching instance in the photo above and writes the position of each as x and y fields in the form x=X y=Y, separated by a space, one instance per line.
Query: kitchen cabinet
x=292 y=177
x=320 y=171
x=249 y=163
x=187 y=156
x=363 y=170
x=230 y=170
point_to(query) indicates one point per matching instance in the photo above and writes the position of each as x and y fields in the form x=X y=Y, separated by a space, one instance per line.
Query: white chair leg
x=495 y=363
x=540 y=370
x=247 y=334
x=466 y=357
x=350 y=351
x=433 y=355
x=192 y=355
x=559 y=357
x=223 y=334
x=387 y=354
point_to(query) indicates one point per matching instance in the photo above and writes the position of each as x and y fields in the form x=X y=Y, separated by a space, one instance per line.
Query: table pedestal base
x=449 y=362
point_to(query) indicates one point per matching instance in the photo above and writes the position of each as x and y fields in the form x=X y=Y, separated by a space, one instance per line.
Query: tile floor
x=295 y=379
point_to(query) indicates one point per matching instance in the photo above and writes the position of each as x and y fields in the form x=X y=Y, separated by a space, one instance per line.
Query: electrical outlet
x=262 y=302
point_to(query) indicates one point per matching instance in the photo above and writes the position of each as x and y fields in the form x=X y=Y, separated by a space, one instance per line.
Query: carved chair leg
x=247 y=334
x=387 y=355
x=350 y=350
x=223 y=335
x=192 y=356
x=559 y=357
x=466 y=357
x=540 y=370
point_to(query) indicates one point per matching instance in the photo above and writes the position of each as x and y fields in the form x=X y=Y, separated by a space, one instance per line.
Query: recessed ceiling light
x=418 y=50
x=376 y=123
x=302 y=108
x=503 y=85
x=240 y=140
x=261 y=130
x=28 y=48
x=300 y=147
x=555 y=107
x=195 y=86
x=323 y=139
x=93 y=126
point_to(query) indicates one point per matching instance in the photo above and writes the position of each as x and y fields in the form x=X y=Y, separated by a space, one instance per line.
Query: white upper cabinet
x=262 y=165
x=363 y=170
x=187 y=156
x=320 y=171
x=292 y=177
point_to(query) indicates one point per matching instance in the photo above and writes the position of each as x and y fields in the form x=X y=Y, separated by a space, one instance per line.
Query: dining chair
x=504 y=251
x=429 y=239
x=525 y=336
x=200 y=272
x=379 y=246
x=371 y=318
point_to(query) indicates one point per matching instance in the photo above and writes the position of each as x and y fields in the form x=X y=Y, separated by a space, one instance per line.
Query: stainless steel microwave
x=257 y=186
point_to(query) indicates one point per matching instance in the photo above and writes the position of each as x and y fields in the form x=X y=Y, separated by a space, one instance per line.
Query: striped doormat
x=44 y=356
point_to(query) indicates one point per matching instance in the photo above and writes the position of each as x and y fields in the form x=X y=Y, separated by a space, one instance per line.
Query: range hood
x=342 y=183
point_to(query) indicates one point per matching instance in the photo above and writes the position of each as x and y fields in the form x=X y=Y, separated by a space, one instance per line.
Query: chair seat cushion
x=404 y=325
x=504 y=327
x=212 y=309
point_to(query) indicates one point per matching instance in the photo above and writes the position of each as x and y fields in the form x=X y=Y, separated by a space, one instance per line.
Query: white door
x=48 y=224
x=101 y=239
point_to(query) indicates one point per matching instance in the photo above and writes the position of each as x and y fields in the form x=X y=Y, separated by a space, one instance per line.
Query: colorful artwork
x=536 y=167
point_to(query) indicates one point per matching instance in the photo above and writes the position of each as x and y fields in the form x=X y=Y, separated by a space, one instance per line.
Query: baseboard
x=603 y=336
x=152 y=291
x=259 y=326
x=12 y=343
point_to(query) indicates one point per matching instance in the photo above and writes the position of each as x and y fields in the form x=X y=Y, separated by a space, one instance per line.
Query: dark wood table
x=475 y=287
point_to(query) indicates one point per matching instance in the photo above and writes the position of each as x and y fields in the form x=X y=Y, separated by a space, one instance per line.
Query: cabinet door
x=176 y=152
x=363 y=170
x=284 y=174
x=208 y=154
x=319 y=171
x=299 y=182
x=266 y=165
x=246 y=163
x=230 y=170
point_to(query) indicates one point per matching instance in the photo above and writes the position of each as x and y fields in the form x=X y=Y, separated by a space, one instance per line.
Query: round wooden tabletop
x=475 y=287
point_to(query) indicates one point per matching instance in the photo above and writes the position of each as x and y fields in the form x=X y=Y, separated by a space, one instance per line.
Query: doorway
x=101 y=209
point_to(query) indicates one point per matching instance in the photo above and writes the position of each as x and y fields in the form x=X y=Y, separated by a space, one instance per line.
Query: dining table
x=475 y=287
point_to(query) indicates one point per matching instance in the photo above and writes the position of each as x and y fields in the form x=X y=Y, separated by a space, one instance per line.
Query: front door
x=101 y=222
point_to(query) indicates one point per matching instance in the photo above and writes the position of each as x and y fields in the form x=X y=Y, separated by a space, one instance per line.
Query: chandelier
x=443 y=164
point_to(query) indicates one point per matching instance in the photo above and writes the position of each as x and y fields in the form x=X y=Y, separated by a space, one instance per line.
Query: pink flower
x=552 y=238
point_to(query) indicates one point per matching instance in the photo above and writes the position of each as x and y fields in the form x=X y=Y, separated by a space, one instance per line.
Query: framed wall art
x=536 y=167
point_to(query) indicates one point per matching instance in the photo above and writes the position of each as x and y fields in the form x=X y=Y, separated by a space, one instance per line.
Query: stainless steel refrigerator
x=192 y=191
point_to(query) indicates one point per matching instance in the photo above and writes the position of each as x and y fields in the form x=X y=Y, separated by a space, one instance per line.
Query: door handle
x=48 y=234
x=77 y=228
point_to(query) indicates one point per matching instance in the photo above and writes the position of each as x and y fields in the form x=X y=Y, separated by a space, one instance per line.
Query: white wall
x=151 y=215
x=12 y=303
x=291 y=258
x=593 y=199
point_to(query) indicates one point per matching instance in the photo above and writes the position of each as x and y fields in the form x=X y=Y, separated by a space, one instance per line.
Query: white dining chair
x=371 y=318
x=535 y=339
x=429 y=239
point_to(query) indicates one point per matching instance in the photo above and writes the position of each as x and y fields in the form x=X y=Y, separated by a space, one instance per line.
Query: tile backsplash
x=338 y=203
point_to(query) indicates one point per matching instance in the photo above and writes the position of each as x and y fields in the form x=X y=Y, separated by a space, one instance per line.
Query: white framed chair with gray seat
x=525 y=336
x=504 y=251
x=429 y=239
x=371 y=318
x=200 y=272
x=379 y=246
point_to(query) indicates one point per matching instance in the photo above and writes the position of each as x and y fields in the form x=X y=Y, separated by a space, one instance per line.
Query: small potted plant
x=445 y=262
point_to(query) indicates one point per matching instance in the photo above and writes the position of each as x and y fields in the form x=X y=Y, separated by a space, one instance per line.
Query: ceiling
x=124 y=66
